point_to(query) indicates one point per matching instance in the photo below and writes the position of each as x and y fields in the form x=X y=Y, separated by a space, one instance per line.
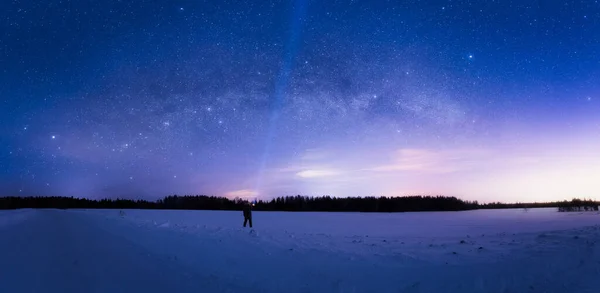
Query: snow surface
x=539 y=250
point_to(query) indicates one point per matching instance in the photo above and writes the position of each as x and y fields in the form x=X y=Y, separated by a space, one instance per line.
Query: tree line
x=573 y=205
x=288 y=203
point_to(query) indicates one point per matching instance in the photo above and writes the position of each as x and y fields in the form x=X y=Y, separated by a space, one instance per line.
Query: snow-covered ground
x=539 y=250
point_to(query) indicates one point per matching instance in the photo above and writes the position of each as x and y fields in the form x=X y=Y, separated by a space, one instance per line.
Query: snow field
x=539 y=250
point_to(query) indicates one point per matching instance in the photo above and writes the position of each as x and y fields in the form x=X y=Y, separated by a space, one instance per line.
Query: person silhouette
x=247 y=214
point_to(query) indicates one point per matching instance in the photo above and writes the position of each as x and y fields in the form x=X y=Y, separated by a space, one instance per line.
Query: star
x=54 y=137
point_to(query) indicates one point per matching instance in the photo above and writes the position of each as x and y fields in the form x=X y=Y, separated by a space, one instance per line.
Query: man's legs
x=246 y=221
x=250 y=220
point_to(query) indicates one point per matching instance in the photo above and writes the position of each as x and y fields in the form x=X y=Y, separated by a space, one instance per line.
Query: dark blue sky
x=488 y=100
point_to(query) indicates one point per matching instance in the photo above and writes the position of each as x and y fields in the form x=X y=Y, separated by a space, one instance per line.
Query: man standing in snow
x=248 y=214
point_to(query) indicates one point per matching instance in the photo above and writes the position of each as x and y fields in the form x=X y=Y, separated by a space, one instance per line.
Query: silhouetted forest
x=563 y=206
x=578 y=205
x=289 y=203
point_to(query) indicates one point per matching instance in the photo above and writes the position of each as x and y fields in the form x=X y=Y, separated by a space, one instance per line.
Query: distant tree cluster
x=366 y=204
x=574 y=205
x=59 y=202
x=578 y=205
x=289 y=203
x=198 y=202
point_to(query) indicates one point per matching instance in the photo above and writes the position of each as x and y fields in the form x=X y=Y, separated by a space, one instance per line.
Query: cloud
x=313 y=163
x=430 y=161
x=316 y=173
x=242 y=193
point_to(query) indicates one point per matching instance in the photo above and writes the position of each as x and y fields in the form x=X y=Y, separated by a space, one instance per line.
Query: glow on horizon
x=525 y=172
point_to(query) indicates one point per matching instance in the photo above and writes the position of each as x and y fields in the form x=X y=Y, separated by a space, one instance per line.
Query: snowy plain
x=539 y=250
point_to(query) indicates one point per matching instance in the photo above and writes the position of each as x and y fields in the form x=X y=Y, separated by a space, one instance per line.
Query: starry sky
x=484 y=100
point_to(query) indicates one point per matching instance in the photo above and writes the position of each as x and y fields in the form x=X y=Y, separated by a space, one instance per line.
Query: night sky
x=484 y=100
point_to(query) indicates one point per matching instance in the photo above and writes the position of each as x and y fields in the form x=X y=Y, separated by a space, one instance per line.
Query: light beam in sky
x=282 y=81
